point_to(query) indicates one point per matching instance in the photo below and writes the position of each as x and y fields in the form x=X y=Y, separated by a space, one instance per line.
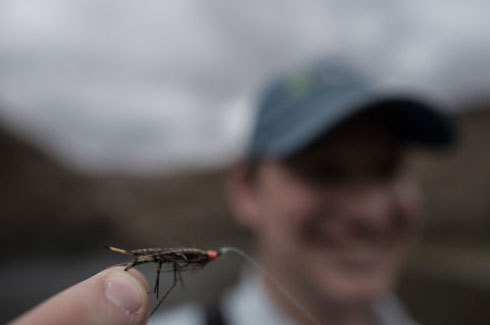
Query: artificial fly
x=190 y=259
x=179 y=259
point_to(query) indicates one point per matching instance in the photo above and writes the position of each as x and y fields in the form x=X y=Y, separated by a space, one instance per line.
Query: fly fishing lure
x=190 y=259
x=179 y=259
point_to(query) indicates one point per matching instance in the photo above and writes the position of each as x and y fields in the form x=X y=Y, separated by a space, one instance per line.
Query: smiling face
x=335 y=220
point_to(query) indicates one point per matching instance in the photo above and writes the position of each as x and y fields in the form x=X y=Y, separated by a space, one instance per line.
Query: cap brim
x=414 y=120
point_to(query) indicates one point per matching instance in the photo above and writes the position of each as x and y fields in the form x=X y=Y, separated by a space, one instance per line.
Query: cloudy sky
x=144 y=85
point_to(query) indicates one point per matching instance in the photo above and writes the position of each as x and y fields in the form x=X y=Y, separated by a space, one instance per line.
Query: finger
x=112 y=296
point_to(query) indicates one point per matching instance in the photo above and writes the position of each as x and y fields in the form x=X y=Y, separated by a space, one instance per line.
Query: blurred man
x=325 y=192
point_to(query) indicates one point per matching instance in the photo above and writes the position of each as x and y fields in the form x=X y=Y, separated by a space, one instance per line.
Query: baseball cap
x=303 y=105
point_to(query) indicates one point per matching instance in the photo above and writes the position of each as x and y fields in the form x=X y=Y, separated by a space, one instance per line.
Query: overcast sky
x=138 y=85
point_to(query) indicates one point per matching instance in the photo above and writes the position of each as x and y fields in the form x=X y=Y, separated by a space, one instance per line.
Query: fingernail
x=123 y=290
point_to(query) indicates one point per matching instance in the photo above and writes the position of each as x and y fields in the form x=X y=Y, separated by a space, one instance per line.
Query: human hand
x=112 y=296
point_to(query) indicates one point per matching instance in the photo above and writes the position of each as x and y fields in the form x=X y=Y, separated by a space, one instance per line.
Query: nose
x=370 y=206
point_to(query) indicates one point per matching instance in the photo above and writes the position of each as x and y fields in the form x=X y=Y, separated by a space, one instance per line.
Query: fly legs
x=177 y=277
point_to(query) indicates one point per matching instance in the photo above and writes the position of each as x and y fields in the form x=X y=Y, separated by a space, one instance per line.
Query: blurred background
x=118 y=120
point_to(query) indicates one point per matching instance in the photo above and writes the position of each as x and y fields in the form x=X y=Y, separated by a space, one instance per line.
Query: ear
x=241 y=193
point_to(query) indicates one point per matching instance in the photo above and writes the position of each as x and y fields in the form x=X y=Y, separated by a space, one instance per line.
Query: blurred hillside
x=44 y=206
x=47 y=208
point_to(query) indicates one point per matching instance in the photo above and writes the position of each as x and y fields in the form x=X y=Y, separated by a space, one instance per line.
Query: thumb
x=112 y=296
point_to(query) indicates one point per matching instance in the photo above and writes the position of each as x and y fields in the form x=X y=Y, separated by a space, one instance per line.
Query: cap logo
x=300 y=85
